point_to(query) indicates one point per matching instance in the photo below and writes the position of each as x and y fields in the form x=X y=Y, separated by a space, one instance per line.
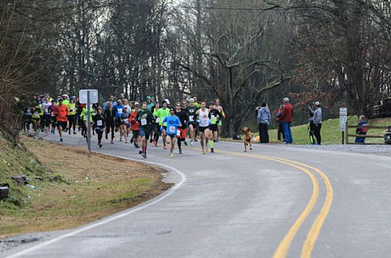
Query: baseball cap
x=317 y=103
x=285 y=99
x=191 y=100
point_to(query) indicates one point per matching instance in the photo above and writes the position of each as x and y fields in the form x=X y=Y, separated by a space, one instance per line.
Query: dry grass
x=93 y=186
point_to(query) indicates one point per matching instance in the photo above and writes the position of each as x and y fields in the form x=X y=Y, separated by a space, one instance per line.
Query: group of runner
x=137 y=123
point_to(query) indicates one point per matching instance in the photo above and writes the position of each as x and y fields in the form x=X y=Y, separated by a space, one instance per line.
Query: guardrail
x=347 y=135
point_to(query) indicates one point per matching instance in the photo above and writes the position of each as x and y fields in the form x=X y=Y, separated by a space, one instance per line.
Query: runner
x=53 y=117
x=205 y=134
x=119 y=108
x=145 y=119
x=72 y=115
x=220 y=123
x=172 y=123
x=182 y=130
x=192 y=112
x=150 y=103
x=36 y=117
x=135 y=126
x=125 y=123
x=61 y=112
x=161 y=114
x=214 y=116
x=99 y=123
x=28 y=118
x=110 y=118
x=156 y=125
x=46 y=113
x=84 y=114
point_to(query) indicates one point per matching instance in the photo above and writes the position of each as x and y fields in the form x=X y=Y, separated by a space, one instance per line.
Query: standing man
x=61 y=112
x=317 y=119
x=145 y=119
x=286 y=118
x=264 y=119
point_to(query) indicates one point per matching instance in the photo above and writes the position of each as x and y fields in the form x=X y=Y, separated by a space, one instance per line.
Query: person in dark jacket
x=99 y=125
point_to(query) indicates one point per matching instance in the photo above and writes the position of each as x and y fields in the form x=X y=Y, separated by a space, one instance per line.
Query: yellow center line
x=316 y=227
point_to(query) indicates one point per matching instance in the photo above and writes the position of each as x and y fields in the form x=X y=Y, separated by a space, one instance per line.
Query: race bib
x=46 y=110
x=171 y=129
x=178 y=133
x=191 y=118
x=157 y=120
x=72 y=109
x=99 y=123
x=204 y=120
x=120 y=111
x=143 y=121
x=36 y=114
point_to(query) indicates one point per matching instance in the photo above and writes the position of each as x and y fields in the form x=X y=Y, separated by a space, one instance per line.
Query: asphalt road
x=273 y=201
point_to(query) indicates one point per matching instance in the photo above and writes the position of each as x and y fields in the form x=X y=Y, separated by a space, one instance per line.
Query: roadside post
x=343 y=118
x=88 y=96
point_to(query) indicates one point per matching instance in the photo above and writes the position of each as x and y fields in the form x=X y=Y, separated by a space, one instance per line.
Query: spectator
x=361 y=129
x=280 y=129
x=317 y=122
x=286 y=117
x=263 y=123
x=311 y=127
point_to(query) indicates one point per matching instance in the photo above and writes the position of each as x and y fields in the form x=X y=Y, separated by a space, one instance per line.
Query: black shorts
x=194 y=124
x=213 y=128
x=36 y=119
x=144 y=131
x=135 y=134
x=62 y=124
x=202 y=129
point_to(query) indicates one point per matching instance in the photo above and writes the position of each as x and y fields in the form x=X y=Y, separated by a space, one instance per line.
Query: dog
x=248 y=137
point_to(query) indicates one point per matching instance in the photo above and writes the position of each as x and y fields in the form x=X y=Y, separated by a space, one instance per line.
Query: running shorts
x=144 y=132
x=62 y=124
x=202 y=129
x=213 y=128
x=183 y=133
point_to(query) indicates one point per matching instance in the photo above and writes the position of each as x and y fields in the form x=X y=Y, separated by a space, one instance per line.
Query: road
x=276 y=201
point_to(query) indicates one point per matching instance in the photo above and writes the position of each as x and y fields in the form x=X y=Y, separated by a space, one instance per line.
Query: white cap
x=167 y=101
x=285 y=100
x=191 y=100
x=317 y=103
x=136 y=104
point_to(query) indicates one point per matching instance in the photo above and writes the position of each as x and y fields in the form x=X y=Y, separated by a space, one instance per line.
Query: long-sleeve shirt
x=264 y=116
x=61 y=112
x=287 y=113
x=317 y=115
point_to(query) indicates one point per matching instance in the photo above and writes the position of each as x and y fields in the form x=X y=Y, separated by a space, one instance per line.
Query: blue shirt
x=119 y=109
x=173 y=122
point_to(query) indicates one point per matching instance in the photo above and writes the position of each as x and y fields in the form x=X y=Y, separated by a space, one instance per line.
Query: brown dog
x=248 y=137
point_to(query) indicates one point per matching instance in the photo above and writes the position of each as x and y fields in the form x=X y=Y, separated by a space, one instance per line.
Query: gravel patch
x=382 y=150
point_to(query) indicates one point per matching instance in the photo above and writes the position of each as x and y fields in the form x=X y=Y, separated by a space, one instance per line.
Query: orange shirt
x=62 y=112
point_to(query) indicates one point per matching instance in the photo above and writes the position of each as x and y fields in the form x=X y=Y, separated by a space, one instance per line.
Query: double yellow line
x=316 y=227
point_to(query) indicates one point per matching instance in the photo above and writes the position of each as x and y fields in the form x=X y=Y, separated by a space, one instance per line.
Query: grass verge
x=72 y=187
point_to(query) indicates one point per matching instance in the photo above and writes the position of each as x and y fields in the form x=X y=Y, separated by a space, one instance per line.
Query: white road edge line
x=114 y=217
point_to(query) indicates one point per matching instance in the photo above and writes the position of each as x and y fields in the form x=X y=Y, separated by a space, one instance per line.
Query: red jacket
x=135 y=125
x=62 y=113
x=287 y=113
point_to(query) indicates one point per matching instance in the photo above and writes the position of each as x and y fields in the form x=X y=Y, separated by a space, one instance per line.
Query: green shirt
x=84 y=112
x=72 y=109
x=161 y=114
